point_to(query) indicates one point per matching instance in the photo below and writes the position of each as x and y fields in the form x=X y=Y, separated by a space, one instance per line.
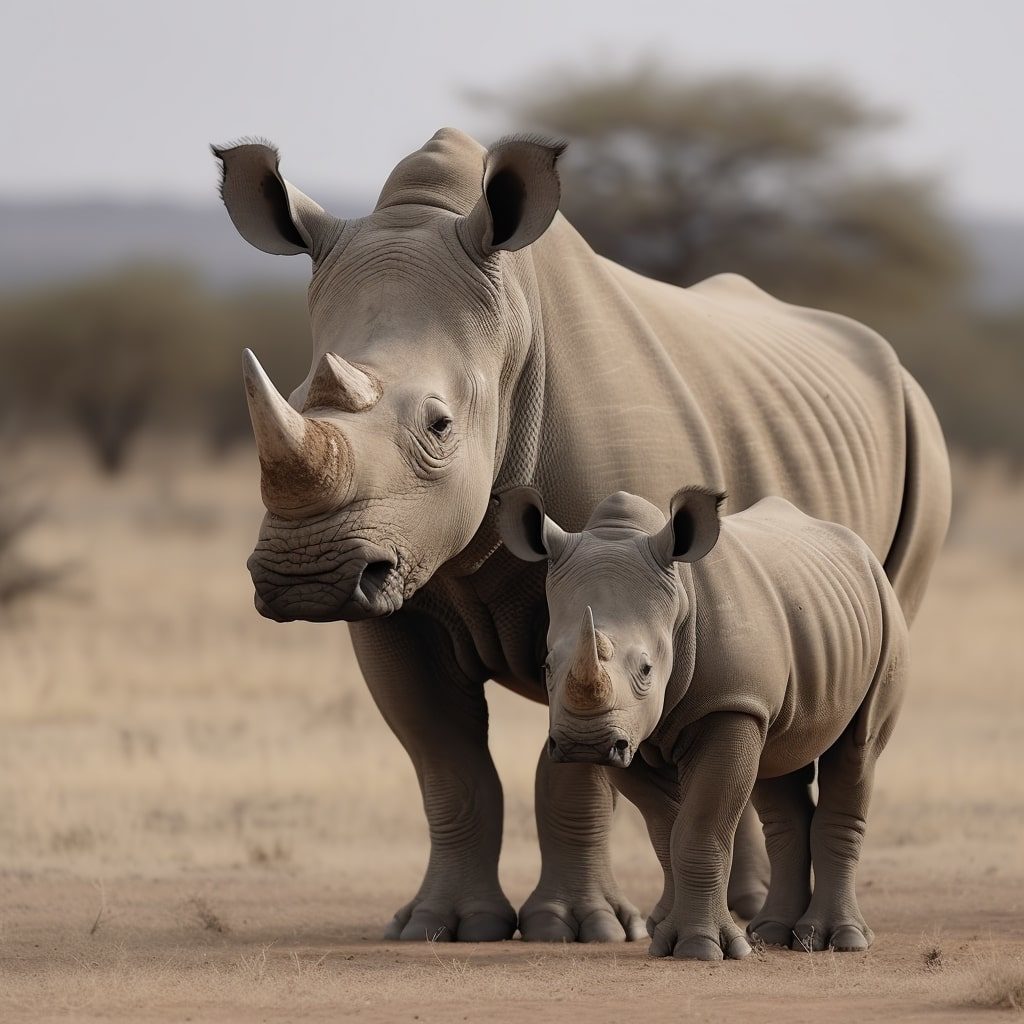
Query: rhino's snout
x=613 y=748
x=365 y=585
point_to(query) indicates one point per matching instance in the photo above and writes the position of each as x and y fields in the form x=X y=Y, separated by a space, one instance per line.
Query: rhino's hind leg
x=577 y=898
x=833 y=919
x=440 y=717
x=786 y=809
x=750 y=871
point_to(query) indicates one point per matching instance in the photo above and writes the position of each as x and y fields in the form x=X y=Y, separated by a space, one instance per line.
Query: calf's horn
x=303 y=461
x=588 y=687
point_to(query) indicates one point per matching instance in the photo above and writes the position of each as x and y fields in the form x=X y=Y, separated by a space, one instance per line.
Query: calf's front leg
x=440 y=716
x=717 y=767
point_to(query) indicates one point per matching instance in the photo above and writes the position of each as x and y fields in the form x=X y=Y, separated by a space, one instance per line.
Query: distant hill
x=41 y=243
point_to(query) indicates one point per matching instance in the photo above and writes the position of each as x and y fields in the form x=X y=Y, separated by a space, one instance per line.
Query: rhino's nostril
x=374 y=576
x=552 y=746
x=622 y=746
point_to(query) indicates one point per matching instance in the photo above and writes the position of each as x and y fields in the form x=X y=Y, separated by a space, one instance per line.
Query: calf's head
x=378 y=468
x=614 y=605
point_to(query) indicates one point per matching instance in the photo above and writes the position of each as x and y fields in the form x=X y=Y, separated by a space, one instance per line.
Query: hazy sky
x=111 y=97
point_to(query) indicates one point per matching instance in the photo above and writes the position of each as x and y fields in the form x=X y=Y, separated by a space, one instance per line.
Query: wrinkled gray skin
x=729 y=662
x=466 y=340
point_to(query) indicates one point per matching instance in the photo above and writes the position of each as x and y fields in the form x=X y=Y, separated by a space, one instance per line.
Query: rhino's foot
x=657 y=915
x=774 y=924
x=599 y=916
x=699 y=940
x=771 y=933
x=842 y=935
x=463 y=919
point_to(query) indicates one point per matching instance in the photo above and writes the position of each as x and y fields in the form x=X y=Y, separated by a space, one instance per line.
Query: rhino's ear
x=269 y=212
x=525 y=529
x=520 y=196
x=694 y=523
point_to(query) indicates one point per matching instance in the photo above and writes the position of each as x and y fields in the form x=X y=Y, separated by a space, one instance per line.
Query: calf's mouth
x=610 y=747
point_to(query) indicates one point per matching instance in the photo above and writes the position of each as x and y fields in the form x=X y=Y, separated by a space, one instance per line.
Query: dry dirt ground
x=202 y=816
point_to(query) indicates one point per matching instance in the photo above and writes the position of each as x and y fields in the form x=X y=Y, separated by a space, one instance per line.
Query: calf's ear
x=268 y=211
x=520 y=195
x=694 y=523
x=524 y=527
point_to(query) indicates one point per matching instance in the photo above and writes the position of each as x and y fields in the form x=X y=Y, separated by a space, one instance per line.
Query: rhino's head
x=379 y=467
x=614 y=603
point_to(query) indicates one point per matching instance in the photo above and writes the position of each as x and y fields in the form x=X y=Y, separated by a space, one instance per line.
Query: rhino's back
x=654 y=386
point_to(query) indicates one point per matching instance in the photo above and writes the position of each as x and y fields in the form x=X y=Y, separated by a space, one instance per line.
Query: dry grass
x=203 y=812
x=996 y=984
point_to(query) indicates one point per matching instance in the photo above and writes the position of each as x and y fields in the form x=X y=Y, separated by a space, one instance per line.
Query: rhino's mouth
x=612 y=747
x=369 y=583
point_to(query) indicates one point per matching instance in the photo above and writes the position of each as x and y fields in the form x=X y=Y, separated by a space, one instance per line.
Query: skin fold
x=466 y=341
x=713 y=660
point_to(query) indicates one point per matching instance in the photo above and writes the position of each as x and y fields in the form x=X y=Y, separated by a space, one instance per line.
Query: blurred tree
x=98 y=354
x=143 y=347
x=681 y=178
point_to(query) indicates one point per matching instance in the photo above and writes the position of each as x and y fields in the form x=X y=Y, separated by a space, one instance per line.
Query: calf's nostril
x=552 y=746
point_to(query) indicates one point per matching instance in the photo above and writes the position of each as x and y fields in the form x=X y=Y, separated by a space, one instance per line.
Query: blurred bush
x=142 y=348
x=20 y=575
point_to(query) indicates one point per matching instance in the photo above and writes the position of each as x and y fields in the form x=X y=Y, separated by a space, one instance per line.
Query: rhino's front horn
x=588 y=687
x=303 y=461
x=339 y=384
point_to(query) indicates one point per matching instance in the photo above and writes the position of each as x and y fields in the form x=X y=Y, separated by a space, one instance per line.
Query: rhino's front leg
x=656 y=797
x=440 y=716
x=577 y=898
x=717 y=768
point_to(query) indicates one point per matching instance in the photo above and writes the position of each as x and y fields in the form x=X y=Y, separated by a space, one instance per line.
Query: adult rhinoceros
x=467 y=340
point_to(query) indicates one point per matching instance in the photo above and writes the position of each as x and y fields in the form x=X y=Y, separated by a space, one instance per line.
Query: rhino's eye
x=645 y=669
x=442 y=427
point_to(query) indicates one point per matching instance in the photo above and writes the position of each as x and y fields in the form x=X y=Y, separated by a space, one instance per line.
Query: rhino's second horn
x=303 y=461
x=339 y=384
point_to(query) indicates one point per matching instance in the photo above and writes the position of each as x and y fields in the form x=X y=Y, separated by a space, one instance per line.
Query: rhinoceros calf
x=730 y=653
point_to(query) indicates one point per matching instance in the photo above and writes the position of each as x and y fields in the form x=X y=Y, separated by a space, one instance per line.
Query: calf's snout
x=612 y=748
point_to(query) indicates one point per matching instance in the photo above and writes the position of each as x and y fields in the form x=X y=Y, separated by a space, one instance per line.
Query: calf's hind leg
x=749 y=874
x=786 y=809
x=833 y=919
